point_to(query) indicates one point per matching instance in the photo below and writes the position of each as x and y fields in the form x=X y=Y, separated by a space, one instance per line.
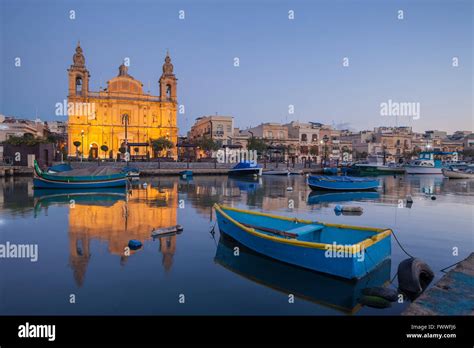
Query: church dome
x=125 y=83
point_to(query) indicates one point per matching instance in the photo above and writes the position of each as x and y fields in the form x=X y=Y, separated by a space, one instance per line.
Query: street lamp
x=82 y=144
x=325 y=140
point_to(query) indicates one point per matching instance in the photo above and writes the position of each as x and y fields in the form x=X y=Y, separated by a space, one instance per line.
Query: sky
x=282 y=61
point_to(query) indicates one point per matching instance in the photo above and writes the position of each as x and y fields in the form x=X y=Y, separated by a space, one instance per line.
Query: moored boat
x=458 y=174
x=87 y=178
x=246 y=169
x=427 y=163
x=341 y=183
x=186 y=174
x=276 y=172
x=132 y=172
x=335 y=249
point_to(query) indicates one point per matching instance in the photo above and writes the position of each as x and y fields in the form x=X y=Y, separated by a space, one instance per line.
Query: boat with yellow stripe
x=341 y=250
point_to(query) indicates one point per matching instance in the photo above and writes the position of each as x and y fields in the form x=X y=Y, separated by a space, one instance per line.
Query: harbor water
x=83 y=266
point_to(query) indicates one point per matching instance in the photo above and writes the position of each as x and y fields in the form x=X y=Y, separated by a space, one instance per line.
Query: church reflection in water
x=114 y=216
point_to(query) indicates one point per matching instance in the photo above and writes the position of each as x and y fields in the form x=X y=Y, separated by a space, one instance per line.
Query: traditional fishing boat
x=458 y=174
x=246 y=169
x=341 y=183
x=276 y=172
x=335 y=249
x=87 y=178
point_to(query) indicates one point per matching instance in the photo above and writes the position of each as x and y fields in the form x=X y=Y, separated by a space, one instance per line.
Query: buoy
x=433 y=198
x=414 y=276
x=134 y=244
x=348 y=209
x=289 y=188
x=375 y=302
x=385 y=293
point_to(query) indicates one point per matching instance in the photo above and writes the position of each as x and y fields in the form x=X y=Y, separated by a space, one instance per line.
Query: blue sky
x=282 y=62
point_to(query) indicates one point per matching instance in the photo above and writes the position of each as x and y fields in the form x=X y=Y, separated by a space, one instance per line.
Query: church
x=120 y=116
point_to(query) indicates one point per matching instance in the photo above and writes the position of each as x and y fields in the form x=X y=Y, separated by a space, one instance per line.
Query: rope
x=401 y=247
x=454 y=264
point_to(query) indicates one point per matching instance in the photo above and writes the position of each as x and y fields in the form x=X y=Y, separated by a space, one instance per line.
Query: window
x=229 y=129
x=281 y=135
x=270 y=134
x=220 y=129
x=168 y=91
x=304 y=137
x=78 y=85
x=314 y=137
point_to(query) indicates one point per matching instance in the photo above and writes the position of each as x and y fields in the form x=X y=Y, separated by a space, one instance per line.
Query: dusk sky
x=282 y=62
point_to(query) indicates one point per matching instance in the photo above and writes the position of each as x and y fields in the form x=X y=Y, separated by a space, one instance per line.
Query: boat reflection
x=113 y=216
x=247 y=184
x=326 y=290
x=316 y=197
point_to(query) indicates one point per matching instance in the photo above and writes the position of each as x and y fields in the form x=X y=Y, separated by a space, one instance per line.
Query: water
x=81 y=241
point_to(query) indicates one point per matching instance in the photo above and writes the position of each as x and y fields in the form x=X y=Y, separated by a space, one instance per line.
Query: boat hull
x=41 y=183
x=276 y=172
x=455 y=174
x=422 y=170
x=327 y=183
x=246 y=172
x=305 y=255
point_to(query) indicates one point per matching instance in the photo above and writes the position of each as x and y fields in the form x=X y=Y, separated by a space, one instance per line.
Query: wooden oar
x=272 y=230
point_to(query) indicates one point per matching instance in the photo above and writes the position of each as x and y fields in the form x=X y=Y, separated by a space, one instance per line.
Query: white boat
x=458 y=174
x=425 y=164
x=276 y=172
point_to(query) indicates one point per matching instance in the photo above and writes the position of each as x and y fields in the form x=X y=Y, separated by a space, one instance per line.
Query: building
x=218 y=128
x=396 y=142
x=280 y=144
x=11 y=126
x=308 y=138
x=121 y=115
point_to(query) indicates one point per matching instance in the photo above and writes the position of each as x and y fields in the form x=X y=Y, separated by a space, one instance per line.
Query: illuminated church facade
x=120 y=116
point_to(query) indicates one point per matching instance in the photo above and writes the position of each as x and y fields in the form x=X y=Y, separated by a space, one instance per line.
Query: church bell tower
x=78 y=75
x=168 y=81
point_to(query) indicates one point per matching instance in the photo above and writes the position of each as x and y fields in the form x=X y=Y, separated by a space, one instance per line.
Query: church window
x=78 y=85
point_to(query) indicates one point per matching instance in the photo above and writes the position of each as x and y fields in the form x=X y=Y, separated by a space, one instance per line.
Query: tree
x=207 y=144
x=314 y=150
x=257 y=144
x=104 y=148
x=77 y=144
x=161 y=144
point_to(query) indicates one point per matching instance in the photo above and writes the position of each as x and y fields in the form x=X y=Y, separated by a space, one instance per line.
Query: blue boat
x=341 y=183
x=87 y=178
x=132 y=172
x=246 y=169
x=333 y=292
x=340 y=250
x=345 y=196
x=59 y=168
x=186 y=174
x=330 y=170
